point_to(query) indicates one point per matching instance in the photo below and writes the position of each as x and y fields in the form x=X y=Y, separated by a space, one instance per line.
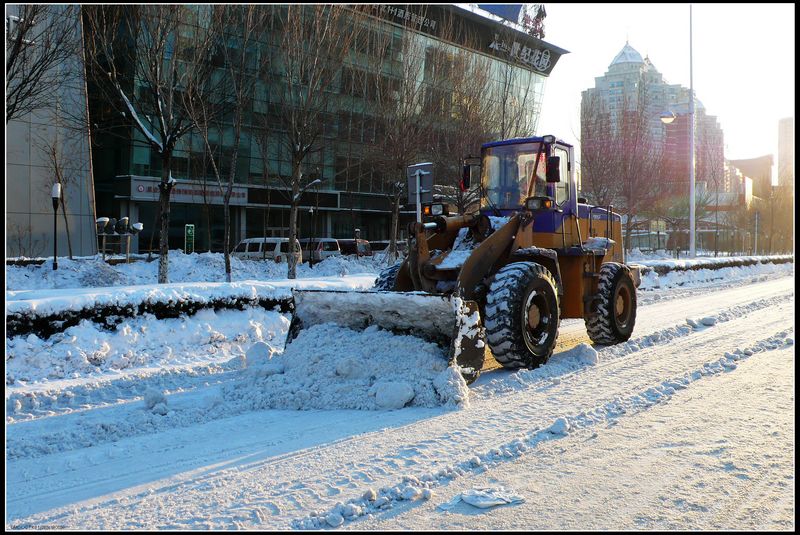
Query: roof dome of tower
x=627 y=55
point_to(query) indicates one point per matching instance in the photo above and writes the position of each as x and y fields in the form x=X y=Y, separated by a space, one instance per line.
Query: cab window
x=562 y=188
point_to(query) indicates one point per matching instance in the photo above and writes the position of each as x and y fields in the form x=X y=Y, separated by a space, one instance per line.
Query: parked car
x=355 y=247
x=275 y=249
x=319 y=248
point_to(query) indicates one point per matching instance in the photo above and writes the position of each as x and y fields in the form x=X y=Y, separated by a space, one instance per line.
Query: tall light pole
x=692 y=249
x=56 y=195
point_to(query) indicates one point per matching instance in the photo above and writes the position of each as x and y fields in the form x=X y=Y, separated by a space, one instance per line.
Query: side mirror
x=583 y=200
x=553 y=169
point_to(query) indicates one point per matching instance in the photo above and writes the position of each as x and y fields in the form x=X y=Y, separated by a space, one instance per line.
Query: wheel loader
x=502 y=278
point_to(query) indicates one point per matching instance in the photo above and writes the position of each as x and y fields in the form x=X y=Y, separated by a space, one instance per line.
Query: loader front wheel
x=613 y=313
x=522 y=315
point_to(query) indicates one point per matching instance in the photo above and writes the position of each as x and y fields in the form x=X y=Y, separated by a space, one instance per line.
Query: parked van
x=319 y=248
x=355 y=247
x=275 y=249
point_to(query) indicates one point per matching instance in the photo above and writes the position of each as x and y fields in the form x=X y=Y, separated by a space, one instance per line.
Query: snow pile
x=697 y=277
x=332 y=367
x=42 y=302
x=89 y=350
x=196 y=267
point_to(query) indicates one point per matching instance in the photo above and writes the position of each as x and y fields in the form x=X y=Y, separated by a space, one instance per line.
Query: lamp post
x=56 y=195
x=667 y=117
x=692 y=249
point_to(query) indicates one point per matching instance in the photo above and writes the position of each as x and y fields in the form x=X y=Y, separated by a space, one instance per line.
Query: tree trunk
x=163 y=207
x=207 y=210
x=395 y=223
x=66 y=222
x=628 y=231
x=291 y=261
x=226 y=246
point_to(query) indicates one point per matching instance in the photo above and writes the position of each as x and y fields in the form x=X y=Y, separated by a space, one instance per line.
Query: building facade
x=631 y=87
x=351 y=195
x=44 y=144
x=786 y=152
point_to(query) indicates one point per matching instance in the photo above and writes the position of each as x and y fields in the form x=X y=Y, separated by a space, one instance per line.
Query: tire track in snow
x=308 y=478
x=412 y=488
x=390 y=441
x=556 y=371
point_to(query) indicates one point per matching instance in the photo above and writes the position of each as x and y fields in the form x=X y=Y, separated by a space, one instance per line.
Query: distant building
x=760 y=171
x=786 y=152
x=709 y=148
x=617 y=92
x=738 y=188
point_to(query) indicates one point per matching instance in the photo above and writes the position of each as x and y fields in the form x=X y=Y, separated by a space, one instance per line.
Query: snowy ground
x=193 y=423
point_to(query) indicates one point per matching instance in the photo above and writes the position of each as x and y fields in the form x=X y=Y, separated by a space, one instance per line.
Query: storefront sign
x=535 y=58
x=146 y=189
x=400 y=13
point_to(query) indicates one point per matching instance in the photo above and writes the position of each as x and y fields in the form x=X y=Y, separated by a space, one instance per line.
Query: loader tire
x=613 y=313
x=522 y=315
x=387 y=278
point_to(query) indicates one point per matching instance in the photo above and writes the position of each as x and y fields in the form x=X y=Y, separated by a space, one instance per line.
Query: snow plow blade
x=452 y=323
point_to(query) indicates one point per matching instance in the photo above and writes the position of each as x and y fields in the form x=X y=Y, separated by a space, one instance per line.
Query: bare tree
x=240 y=33
x=145 y=66
x=23 y=243
x=40 y=39
x=314 y=41
x=63 y=170
x=514 y=103
x=400 y=85
x=711 y=166
x=599 y=162
x=621 y=158
x=463 y=121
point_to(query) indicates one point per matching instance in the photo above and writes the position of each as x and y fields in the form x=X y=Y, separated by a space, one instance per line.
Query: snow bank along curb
x=663 y=267
x=421 y=488
x=45 y=317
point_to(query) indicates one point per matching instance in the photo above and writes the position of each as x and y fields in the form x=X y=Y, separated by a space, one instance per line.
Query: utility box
x=188 y=239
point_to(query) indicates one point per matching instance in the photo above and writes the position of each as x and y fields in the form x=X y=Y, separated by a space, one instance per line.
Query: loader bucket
x=452 y=323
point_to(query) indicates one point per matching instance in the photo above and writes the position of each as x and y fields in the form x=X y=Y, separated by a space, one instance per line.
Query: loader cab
x=516 y=169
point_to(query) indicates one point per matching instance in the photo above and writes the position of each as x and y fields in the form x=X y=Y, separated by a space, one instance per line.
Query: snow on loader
x=506 y=275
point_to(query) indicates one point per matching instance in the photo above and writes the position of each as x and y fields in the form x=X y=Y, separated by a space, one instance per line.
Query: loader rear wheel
x=613 y=313
x=387 y=278
x=522 y=315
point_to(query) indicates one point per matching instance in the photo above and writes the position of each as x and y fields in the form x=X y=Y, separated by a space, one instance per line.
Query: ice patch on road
x=333 y=367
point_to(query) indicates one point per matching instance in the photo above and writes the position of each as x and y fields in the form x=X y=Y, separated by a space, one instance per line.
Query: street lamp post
x=692 y=250
x=56 y=195
x=667 y=117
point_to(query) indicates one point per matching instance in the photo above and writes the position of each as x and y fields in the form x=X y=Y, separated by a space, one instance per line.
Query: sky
x=743 y=62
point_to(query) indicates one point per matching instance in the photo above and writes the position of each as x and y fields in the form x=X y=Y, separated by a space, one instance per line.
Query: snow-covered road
x=680 y=428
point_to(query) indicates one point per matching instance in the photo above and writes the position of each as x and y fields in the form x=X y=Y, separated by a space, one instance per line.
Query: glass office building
x=352 y=194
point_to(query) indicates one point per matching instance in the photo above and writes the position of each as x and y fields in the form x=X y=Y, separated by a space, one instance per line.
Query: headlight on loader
x=538 y=203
